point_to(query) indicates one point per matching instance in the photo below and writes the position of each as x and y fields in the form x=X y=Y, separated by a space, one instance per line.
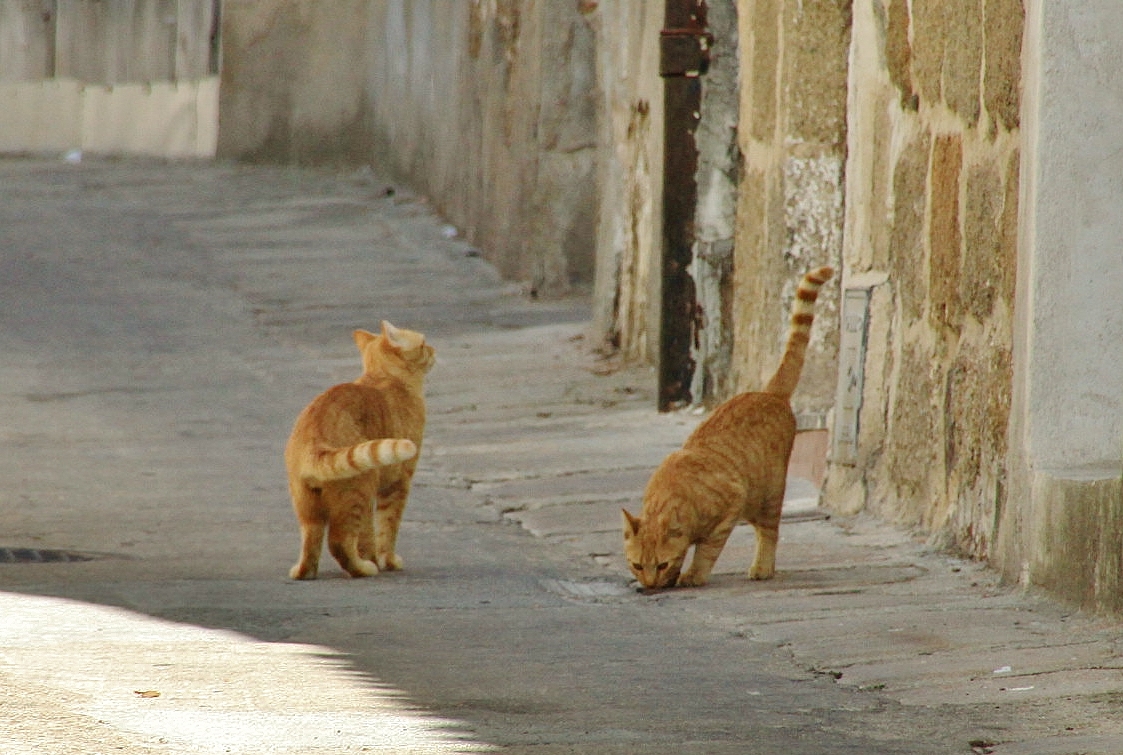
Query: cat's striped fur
x=352 y=454
x=326 y=464
x=783 y=383
x=732 y=468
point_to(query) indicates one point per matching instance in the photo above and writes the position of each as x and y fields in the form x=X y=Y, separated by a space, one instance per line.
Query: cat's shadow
x=852 y=578
x=825 y=580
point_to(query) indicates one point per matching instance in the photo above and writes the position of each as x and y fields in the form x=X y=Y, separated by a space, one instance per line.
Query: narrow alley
x=161 y=324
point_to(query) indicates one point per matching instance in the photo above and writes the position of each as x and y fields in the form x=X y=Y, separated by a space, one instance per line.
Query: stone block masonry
x=931 y=216
x=792 y=138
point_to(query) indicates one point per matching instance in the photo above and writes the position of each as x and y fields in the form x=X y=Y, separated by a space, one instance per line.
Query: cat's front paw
x=392 y=562
x=302 y=571
x=691 y=580
x=762 y=572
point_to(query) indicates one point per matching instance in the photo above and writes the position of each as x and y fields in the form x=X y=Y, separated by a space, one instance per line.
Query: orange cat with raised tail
x=352 y=455
x=732 y=468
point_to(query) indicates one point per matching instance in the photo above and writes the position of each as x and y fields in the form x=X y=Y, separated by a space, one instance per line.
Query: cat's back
x=749 y=419
x=344 y=414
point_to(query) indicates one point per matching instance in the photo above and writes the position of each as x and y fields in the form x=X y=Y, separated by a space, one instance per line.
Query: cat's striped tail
x=783 y=383
x=352 y=461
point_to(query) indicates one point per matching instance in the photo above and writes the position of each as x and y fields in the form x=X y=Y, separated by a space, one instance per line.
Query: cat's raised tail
x=341 y=463
x=783 y=383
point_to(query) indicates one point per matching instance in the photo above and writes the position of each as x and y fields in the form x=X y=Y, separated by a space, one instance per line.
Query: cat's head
x=395 y=350
x=655 y=550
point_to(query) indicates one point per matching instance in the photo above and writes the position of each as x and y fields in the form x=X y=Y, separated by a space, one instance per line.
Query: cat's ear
x=631 y=524
x=393 y=335
x=362 y=338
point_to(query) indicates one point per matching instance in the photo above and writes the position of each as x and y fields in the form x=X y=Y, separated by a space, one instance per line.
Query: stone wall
x=792 y=136
x=932 y=180
x=488 y=108
x=293 y=81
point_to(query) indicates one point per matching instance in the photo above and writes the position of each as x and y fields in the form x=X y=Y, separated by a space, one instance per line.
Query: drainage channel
x=591 y=591
x=40 y=556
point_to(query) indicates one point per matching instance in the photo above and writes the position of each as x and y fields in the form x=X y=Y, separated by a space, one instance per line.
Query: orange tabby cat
x=356 y=444
x=733 y=467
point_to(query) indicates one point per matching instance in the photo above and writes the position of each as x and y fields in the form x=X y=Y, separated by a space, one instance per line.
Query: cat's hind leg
x=388 y=516
x=366 y=544
x=345 y=550
x=306 y=505
x=345 y=532
x=312 y=539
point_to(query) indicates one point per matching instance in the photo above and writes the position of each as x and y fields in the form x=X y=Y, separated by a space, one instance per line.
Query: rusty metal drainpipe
x=684 y=57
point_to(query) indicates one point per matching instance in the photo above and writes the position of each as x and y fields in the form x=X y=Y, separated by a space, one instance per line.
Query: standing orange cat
x=353 y=451
x=732 y=468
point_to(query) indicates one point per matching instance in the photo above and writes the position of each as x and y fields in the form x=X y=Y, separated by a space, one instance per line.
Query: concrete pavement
x=147 y=394
x=856 y=599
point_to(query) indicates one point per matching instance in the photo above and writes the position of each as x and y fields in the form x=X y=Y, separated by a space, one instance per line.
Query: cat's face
x=654 y=550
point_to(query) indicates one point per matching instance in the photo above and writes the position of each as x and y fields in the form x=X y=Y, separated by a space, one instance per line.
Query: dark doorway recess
x=684 y=58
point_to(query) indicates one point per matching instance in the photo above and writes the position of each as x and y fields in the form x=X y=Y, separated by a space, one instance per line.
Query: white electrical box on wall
x=851 y=373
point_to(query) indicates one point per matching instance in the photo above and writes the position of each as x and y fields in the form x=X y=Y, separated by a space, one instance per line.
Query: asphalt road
x=161 y=326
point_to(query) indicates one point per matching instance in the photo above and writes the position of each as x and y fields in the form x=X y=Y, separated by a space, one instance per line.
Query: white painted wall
x=161 y=119
x=1069 y=336
x=1062 y=527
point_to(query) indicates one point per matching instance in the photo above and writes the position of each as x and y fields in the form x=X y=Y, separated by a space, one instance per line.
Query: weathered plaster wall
x=1062 y=525
x=629 y=175
x=792 y=136
x=719 y=163
x=488 y=108
x=293 y=81
x=932 y=179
